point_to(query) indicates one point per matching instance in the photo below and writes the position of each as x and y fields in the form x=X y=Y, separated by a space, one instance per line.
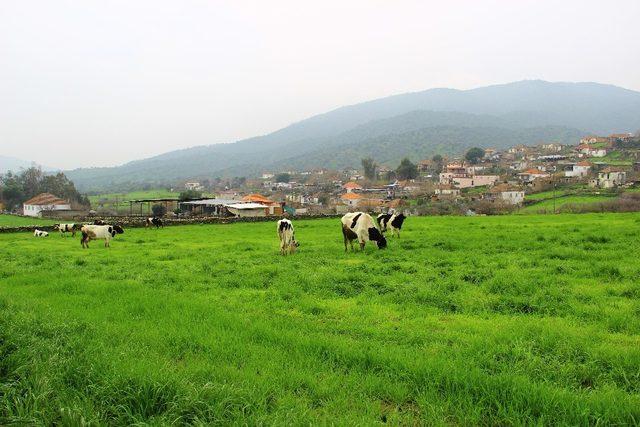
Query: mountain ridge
x=569 y=108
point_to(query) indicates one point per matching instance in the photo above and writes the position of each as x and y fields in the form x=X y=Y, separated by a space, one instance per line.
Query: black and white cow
x=153 y=221
x=391 y=222
x=40 y=233
x=360 y=226
x=99 y=222
x=287 y=235
x=67 y=228
x=99 y=232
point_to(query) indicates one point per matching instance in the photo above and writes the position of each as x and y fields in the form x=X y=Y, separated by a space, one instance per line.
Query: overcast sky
x=87 y=83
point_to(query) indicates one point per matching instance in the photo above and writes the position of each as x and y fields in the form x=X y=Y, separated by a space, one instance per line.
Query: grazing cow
x=392 y=222
x=360 y=226
x=40 y=233
x=67 y=228
x=96 y=232
x=153 y=221
x=287 y=235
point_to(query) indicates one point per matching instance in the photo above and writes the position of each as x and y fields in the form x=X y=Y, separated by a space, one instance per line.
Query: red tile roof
x=46 y=199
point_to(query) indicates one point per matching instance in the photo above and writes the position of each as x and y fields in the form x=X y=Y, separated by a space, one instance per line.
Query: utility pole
x=554 y=195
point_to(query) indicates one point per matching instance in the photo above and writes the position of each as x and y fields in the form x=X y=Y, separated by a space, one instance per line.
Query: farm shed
x=214 y=206
x=243 y=210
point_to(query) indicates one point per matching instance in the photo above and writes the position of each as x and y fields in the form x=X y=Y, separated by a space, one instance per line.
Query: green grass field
x=546 y=206
x=503 y=320
x=16 y=221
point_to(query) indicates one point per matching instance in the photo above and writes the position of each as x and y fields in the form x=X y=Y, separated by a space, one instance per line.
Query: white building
x=609 y=178
x=193 y=186
x=44 y=202
x=507 y=194
x=580 y=169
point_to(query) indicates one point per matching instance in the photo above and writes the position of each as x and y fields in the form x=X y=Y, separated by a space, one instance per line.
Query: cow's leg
x=362 y=246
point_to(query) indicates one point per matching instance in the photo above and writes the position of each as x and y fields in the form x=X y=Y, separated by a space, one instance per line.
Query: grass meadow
x=502 y=320
x=7 y=220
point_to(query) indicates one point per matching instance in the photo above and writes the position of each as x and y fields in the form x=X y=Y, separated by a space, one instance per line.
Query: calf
x=40 y=233
x=153 y=221
x=360 y=226
x=67 y=228
x=97 y=232
x=287 y=235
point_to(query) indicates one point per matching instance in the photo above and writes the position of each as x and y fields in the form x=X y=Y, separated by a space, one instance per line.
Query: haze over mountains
x=444 y=121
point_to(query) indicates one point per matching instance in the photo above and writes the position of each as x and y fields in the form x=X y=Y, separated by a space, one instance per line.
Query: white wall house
x=44 y=202
x=580 y=169
x=609 y=179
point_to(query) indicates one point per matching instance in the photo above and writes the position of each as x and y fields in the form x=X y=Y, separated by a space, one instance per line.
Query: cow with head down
x=67 y=228
x=360 y=226
x=99 y=232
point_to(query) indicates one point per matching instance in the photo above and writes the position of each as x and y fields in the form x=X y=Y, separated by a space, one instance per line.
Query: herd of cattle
x=355 y=226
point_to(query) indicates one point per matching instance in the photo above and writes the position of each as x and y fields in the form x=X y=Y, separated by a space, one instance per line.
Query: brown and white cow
x=99 y=232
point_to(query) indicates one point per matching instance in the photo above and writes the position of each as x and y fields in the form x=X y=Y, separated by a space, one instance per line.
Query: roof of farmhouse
x=46 y=199
x=237 y=205
x=210 y=202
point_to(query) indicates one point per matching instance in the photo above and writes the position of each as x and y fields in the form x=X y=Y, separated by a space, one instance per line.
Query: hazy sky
x=87 y=83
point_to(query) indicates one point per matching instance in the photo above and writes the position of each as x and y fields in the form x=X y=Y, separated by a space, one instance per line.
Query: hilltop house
x=194 y=186
x=44 y=202
x=589 y=151
x=609 y=178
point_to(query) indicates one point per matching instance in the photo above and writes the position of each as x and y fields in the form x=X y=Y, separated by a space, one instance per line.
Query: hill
x=421 y=123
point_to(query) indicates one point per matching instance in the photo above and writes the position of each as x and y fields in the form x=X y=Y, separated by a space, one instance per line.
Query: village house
x=351 y=199
x=270 y=207
x=531 y=175
x=609 y=178
x=267 y=175
x=593 y=139
x=44 y=202
x=551 y=147
x=589 y=151
x=620 y=137
x=579 y=170
x=462 y=176
x=507 y=194
x=193 y=186
x=446 y=191
x=351 y=186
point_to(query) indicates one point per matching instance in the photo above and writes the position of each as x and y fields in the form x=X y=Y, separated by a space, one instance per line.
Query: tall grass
x=483 y=320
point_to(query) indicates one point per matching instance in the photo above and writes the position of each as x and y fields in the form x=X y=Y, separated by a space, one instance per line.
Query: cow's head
x=398 y=220
x=118 y=230
x=376 y=236
x=56 y=226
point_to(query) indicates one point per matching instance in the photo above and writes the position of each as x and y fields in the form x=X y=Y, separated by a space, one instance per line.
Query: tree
x=189 y=194
x=283 y=177
x=369 y=166
x=474 y=155
x=159 y=210
x=437 y=163
x=407 y=169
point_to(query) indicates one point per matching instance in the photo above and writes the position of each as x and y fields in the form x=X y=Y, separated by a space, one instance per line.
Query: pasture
x=7 y=220
x=464 y=320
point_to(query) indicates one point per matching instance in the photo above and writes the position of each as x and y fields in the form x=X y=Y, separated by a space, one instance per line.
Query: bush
x=159 y=210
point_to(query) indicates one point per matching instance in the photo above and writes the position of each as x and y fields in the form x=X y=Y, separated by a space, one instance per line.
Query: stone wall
x=137 y=221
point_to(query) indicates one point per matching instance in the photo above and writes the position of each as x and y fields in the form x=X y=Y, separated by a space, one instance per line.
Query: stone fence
x=138 y=221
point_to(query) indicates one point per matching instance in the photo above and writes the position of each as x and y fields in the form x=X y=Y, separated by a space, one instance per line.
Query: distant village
x=481 y=181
